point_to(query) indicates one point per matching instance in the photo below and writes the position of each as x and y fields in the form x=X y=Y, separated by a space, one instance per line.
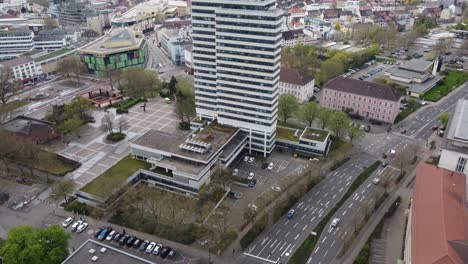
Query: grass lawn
x=53 y=54
x=283 y=124
x=452 y=80
x=10 y=106
x=413 y=107
x=55 y=165
x=288 y=134
x=114 y=176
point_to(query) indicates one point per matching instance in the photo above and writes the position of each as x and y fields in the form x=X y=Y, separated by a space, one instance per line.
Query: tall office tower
x=236 y=58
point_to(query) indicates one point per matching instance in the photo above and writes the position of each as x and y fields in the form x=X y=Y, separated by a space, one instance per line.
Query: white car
x=75 y=225
x=251 y=176
x=270 y=166
x=157 y=249
x=246 y=158
x=235 y=172
x=252 y=159
x=335 y=222
x=276 y=188
x=67 y=222
x=376 y=181
x=423 y=103
x=111 y=235
x=150 y=247
x=82 y=227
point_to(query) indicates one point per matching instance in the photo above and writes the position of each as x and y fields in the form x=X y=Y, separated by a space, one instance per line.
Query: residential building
x=35 y=130
x=318 y=27
x=293 y=37
x=172 y=43
x=417 y=74
x=15 y=42
x=310 y=140
x=454 y=154
x=436 y=231
x=186 y=163
x=118 y=49
x=294 y=82
x=24 y=68
x=236 y=57
x=367 y=99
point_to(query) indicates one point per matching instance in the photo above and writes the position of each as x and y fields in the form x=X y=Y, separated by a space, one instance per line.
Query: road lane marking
x=325 y=195
x=260 y=258
x=344 y=212
x=368 y=185
x=316 y=249
x=327 y=203
x=279 y=230
x=350 y=205
x=362 y=199
x=297 y=236
x=325 y=253
x=276 y=240
x=340 y=190
x=363 y=191
x=284 y=244
x=315 y=210
x=285 y=250
x=304 y=227
x=334 y=196
x=263 y=242
x=312 y=219
x=259 y=253
x=274 y=250
x=325 y=238
x=295 y=225
x=331 y=245
x=287 y=233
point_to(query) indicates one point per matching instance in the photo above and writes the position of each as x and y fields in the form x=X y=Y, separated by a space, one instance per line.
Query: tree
x=122 y=124
x=287 y=106
x=337 y=27
x=172 y=85
x=138 y=82
x=9 y=86
x=80 y=107
x=354 y=132
x=339 y=123
x=33 y=245
x=185 y=102
x=23 y=9
x=114 y=75
x=64 y=188
x=70 y=68
x=308 y=112
x=444 y=118
x=50 y=22
x=72 y=125
x=331 y=68
x=324 y=117
x=107 y=123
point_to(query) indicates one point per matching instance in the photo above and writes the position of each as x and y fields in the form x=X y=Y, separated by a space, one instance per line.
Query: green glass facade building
x=98 y=64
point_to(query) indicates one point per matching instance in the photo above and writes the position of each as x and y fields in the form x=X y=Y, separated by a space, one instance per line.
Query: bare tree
x=70 y=68
x=122 y=124
x=9 y=86
x=64 y=188
x=107 y=123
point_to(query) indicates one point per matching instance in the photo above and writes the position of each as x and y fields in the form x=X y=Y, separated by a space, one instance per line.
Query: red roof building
x=439 y=217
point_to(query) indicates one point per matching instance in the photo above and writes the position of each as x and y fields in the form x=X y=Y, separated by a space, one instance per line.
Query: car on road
x=291 y=213
x=124 y=239
x=335 y=222
x=164 y=252
x=235 y=172
x=157 y=249
x=67 y=221
x=376 y=181
x=384 y=164
x=270 y=166
x=264 y=166
x=82 y=227
x=150 y=247
x=251 y=176
x=111 y=235
x=233 y=195
x=75 y=225
x=423 y=103
x=403 y=131
x=246 y=158
x=276 y=188
x=252 y=183
x=440 y=133
x=98 y=231
x=251 y=160
x=143 y=245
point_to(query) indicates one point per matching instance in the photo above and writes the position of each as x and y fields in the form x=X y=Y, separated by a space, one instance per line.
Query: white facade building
x=15 y=42
x=236 y=57
x=24 y=68
x=294 y=82
x=454 y=155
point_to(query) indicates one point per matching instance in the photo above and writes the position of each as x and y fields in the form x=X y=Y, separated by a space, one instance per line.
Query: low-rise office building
x=172 y=42
x=310 y=140
x=367 y=99
x=183 y=163
x=118 y=49
x=15 y=42
x=294 y=82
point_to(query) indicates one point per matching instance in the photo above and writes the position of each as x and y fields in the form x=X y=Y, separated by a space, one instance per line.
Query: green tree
x=354 y=132
x=308 y=113
x=444 y=118
x=185 y=102
x=287 y=106
x=332 y=67
x=337 y=27
x=339 y=123
x=80 y=107
x=324 y=117
x=32 y=245
x=172 y=85
x=64 y=188
x=72 y=125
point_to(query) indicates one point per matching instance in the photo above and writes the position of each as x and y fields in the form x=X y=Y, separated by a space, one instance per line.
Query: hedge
x=123 y=106
x=250 y=236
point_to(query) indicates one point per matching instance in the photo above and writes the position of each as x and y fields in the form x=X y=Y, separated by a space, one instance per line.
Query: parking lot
x=284 y=164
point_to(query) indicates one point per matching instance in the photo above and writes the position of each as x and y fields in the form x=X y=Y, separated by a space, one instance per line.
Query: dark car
x=264 y=165
x=384 y=164
x=117 y=237
x=233 y=195
x=130 y=241
x=367 y=128
x=137 y=243
x=123 y=240
x=252 y=183
x=171 y=254
x=143 y=245
x=104 y=233
x=164 y=252
x=98 y=231
x=403 y=131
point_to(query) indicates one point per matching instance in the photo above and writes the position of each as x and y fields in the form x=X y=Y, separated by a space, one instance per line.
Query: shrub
x=121 y=111
x=250 y=236
x=122 y=107
x=165 y=93
x=184 y=125
x=77 y=207
x=115 y=137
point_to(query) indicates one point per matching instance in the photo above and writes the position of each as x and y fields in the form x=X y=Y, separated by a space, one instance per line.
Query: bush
x=250 y=236
x=123 y=106
x=77 y=207
x=184 y=125
x=121 y=111
x=115 y=137
x=165 y=93
x=339 y=163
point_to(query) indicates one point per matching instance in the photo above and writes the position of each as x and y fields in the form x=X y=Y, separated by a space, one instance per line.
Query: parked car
x=98 y=231
x=276 y=188
x=233 y=195
x=143 y=245
x=150 y=247
x=251 y=160
x=104 y=233
x=384 y=164
x=130 y=241
x=264 y=166
x=246 y=158
x=123 y=239
x=403 y=131
x=67 y=221
x=172 y=254
x=137 y=243
x=440 y=133
x=82 y=227
x=435 y=127
x=367 y=128
x=157 y=249
x=335 y=222
x=117 y=237
x=252 y=183
x=270 y=166
x=164 y=252
x=111 y=235
x=75 y=225
x=291 y=213
x=235 y=172
x=251 y=176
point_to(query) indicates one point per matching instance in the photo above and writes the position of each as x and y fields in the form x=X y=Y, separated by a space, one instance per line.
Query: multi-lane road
x=278 y=243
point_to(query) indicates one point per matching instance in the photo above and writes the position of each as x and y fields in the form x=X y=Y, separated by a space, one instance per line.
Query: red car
x=435 y=127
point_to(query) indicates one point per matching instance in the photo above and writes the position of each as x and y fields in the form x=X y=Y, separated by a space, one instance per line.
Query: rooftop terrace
x=315 y=134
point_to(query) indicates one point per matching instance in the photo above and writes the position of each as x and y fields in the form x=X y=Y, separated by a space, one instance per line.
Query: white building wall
x=449 y=159
x=302 y=92
x=26 y=71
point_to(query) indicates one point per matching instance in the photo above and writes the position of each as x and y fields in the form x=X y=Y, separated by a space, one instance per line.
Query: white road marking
x=296 y=236
x=325 y=253
x=334 y=196
x=368 y=185
x=304 y=227
x=285 y=250
x=281 y=248
x=327 y=203
x=287 y=233
x=325 y=238
x=340 y=190
x=344 y=212
x=315 y=210
x=312 y=219
x=276 y=240
x=279 y=230
x=331 y=245
x=350 y=205
x=295 y=225
x=316 y=249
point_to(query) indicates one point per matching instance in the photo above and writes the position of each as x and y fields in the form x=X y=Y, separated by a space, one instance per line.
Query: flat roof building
x=15 y=42
x=35 y=130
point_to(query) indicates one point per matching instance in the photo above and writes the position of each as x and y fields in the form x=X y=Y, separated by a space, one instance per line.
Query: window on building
x=461 y=164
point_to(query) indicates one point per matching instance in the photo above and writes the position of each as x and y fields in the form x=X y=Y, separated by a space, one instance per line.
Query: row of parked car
x=78 y=226
x=374 y=71
x=123 y=239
